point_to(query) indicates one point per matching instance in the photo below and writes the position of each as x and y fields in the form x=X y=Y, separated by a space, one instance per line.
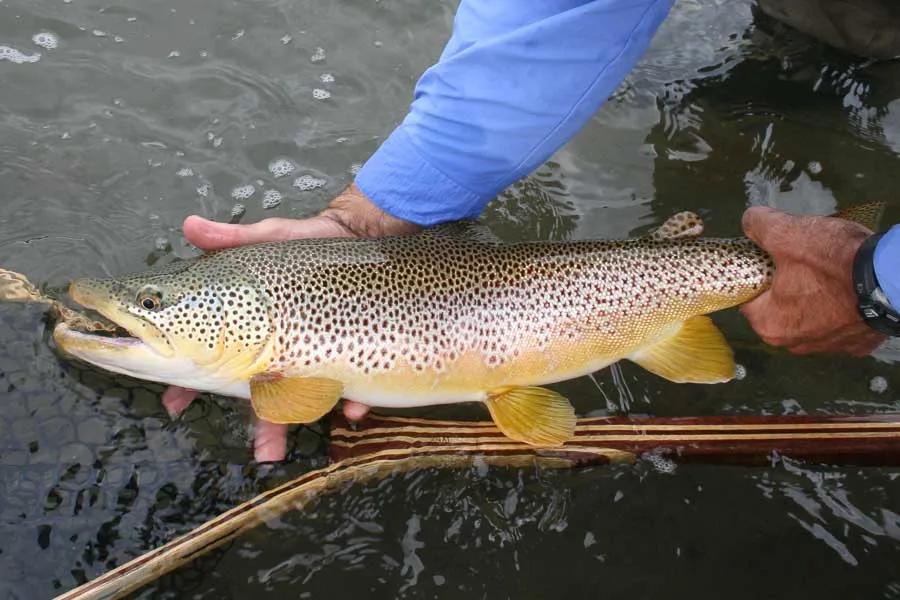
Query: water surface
x=144 y=113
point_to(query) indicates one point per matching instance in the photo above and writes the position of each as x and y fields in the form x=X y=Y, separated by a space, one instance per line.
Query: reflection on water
x=118 y=121
x=642 y=530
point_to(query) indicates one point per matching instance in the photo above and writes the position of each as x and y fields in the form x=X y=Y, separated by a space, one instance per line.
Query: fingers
x=210 y=235
x=270 y=441
x=176 y=399
x=354 y=411
x=856 y=340
x=759 y=313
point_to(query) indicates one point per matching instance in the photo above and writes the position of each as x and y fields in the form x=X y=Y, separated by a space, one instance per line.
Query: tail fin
x=868 y=214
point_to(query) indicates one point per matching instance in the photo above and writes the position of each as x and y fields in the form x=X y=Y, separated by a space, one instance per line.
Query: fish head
x=189 y=323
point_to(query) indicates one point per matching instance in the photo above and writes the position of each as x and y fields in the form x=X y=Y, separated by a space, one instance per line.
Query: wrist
x=358 y=216
x=873 y=304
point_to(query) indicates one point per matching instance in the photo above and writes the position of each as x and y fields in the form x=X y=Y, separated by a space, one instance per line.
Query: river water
x=118 y=120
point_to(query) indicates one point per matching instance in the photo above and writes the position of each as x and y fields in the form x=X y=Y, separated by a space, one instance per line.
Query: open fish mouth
x=88 y=329
x=104 y=326
x=89 y=321
x=67 y=337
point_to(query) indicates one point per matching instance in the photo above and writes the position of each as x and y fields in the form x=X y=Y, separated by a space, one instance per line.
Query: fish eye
x=150 y=298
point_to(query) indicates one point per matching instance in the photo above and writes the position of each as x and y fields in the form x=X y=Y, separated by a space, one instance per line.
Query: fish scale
x=445 y=316
x=421 y=304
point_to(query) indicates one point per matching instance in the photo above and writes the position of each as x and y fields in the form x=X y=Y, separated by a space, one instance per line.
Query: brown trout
x=444 y=316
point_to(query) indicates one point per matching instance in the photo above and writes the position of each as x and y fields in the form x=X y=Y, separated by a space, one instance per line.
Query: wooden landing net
x=386 y=445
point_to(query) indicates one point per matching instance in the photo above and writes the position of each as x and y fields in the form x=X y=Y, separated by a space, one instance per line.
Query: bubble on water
x=306 y=183
x=661 y=463
x=118 y=39
x=879 y=384
x=238 y=210
x=99 y=33
x=740 y=372
x=320 y=94
x=243 y=192
x=203 y=190
x=378 y=43
x=185 y=172
x=286 y=39
x=271 y=199
x=45 y=39
x=174 y=54
x=280 y=167
x=161 y=243
x=131 y=19
x=326 y=78
x=814 y=167
x=790 y=406
x=19 y=58
x=204 y=54
x=318 y=55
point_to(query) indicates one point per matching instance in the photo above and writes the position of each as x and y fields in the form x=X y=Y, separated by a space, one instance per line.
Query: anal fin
x=293 y=399
x=534 y=415
x=696 y=352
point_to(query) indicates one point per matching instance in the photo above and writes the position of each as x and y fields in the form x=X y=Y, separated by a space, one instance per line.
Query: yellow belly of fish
x=471 y=377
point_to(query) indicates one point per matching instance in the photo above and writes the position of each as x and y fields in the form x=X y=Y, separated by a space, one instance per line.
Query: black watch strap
x=874 y=307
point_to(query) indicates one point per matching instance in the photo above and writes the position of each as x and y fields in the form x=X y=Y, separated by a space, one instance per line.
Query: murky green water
x=146 y=112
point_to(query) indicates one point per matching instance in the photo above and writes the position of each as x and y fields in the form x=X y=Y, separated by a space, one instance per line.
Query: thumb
x=210 y=235
x=768 y=227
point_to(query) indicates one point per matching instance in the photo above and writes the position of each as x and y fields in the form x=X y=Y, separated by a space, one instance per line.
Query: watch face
x=877 y=312
x=869 y=312
x=880 y=297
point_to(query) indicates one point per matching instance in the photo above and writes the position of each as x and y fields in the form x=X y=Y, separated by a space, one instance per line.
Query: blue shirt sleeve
x=887 y=265
x=516 y=81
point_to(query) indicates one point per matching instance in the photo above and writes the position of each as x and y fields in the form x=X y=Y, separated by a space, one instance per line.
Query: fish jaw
x=98 y=295
x=133 y=357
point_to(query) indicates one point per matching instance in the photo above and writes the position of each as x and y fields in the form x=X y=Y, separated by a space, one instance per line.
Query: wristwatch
x=874 y=306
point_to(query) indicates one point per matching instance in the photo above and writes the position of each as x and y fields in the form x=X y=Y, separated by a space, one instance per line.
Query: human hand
x=811 y=306
x=351 y=214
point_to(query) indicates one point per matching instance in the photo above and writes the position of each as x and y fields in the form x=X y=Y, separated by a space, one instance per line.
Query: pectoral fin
x=696 y=352
x=533 y=415
x=293 y=399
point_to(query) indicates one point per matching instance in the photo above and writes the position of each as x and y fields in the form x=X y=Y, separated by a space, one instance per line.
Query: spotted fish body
x=434 y=318
x=427 y=319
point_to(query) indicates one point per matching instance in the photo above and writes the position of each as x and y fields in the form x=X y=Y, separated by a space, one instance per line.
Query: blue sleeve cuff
x=887 y=261
x=403 y=184
x=516 y=81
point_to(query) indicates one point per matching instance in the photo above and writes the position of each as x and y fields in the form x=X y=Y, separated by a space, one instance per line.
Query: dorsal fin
x=683 y=224
x=467 y=230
